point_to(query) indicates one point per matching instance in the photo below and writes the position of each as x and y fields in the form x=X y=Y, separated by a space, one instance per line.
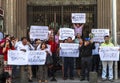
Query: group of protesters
x=87 y=61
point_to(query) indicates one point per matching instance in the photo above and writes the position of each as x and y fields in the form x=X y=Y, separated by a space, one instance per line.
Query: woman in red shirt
x=7 y=68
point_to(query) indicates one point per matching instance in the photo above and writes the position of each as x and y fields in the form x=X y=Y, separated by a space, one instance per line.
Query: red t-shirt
x=6 y=53
x=53 y=45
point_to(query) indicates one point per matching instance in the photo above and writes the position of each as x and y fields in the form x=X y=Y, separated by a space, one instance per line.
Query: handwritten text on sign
x=99 y=34
x=39 y=32
x=17 y=57
x=69 y=50
x=66 y=32
x=109 y=53
x=78 y=18
x=36 y=57
x=26 y=58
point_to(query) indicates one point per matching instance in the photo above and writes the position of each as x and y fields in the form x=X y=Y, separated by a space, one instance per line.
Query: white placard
x=78 y=18
x=39 y=32
x=98 y=34
x=109 y=53
x=26 y=58
x=36 y=57
x=17 y=57
x=66 y=32
x=69 y=50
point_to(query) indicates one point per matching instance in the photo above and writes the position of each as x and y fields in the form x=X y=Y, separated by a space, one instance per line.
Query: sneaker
x=46 y=81
x=82 y=79
x=30 y=80
x=71 y=78
x=53 y=79
x=103 y=79
x=65 y=78
x=111 y=80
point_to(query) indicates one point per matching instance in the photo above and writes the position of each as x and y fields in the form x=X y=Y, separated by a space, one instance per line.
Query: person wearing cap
x=107 y=43
x=86 y=58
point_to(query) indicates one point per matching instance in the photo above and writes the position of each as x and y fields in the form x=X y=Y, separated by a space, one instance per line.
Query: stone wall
x=60 y=2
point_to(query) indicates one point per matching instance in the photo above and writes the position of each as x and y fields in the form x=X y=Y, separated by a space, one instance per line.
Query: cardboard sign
x=39 y=32
x=69 y=50
x=26 y=58
x=78 y=18
x=66 y=32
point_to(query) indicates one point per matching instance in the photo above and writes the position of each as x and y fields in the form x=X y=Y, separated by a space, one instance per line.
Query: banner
x=26 y=58
x=98 y=34
x=17 y=57
x=36 y=57
x=69 y=50
x=65 y=33
x=78 y=18
x=39 y=32
x=109 y=53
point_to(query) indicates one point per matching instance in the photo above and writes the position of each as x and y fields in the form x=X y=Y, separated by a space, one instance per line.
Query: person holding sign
x=26 y=46
x=42 y=70
x=69 y=64
x=107 y=43
x=78 y=28
x=86 y=58
x=7 y=68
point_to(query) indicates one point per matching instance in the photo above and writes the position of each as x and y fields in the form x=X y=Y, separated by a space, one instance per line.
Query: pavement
x=60 y=80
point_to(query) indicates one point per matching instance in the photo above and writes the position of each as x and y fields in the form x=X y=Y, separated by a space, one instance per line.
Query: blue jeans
x=104 y=69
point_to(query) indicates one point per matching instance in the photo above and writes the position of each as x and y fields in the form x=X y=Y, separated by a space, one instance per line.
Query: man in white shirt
x=26 y=46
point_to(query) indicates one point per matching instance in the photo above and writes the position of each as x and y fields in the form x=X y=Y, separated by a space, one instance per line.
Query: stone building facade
x=17 y=17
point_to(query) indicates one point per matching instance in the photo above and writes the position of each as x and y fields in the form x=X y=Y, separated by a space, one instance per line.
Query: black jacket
x=86 y=51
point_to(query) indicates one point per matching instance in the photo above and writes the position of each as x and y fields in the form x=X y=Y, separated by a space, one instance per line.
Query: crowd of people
x=87 y=61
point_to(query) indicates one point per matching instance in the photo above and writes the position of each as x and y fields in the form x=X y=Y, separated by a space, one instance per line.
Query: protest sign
x=69 y=50
x=65 y=33
x=36 y=57
x=39 y=32
x=98 y=34
x=26 y=58
x=78 y=18
x=109 y=53
x=17 y=57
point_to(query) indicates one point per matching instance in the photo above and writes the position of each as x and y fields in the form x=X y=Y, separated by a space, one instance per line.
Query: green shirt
x=104 y=44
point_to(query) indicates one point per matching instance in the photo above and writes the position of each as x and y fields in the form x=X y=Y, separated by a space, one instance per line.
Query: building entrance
x=60 y=16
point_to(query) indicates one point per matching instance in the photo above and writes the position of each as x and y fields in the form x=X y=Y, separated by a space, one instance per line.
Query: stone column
x=104 y=14
x=9 y=16
x=15 y=17
x=118 y=20
x=21 y=18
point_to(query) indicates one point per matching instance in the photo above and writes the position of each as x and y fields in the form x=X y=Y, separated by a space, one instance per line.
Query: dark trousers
x=51 y=71
x=34 y=70
x=86 y=63
x=68 y=66
x=95 y=63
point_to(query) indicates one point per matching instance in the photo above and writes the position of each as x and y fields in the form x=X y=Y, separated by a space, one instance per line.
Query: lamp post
x=114 y=32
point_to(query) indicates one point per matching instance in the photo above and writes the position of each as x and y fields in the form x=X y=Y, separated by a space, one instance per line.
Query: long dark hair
x=44 y=44
x=10 y=44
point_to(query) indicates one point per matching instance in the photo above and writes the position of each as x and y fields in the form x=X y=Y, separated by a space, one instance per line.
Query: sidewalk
x=60 y=80
x=70 y=81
